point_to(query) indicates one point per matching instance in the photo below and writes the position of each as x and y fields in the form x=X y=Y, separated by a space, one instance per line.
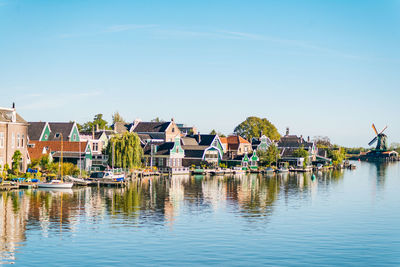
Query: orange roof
x=52 y=146
x=224 y=140
x=36 y=152
x=236 y=139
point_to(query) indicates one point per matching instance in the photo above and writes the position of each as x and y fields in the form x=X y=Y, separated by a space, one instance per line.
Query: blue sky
x=320 y=67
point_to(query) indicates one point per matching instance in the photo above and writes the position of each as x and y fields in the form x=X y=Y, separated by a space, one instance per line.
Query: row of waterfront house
x=166 y=145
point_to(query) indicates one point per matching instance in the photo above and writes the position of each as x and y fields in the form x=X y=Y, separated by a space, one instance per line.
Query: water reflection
x=150 y=202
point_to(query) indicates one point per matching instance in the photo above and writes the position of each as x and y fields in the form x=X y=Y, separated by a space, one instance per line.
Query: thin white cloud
x=129 y=27
x=55 y=101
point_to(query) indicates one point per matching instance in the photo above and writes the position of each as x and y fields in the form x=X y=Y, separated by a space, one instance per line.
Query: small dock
x=8 y=186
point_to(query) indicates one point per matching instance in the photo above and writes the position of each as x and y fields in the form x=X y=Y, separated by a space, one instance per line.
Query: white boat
x=108 y=176
x=77 y=181
x=282 y=170
x=56 y=184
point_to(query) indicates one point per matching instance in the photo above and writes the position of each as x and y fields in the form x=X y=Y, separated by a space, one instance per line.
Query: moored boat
x=107 y=176
x=56 y=184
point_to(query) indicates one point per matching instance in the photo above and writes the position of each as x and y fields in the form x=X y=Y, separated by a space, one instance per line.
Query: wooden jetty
x=8 y=186
x=27 y=185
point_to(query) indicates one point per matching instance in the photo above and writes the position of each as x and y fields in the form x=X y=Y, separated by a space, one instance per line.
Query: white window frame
x=12 y=140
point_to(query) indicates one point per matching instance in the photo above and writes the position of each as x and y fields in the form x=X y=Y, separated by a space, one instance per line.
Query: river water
x=348 y=217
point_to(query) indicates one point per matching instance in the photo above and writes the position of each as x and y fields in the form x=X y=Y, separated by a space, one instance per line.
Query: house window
x=12 y=140
x=173 y=130
x=1 y=140
x=74 y=137
x=23 y=140
x=245 y=149
x=46 y=137
x=95 y=147
x=18 y=140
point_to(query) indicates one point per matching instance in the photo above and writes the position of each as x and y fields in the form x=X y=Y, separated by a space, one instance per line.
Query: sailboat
x=58 y=184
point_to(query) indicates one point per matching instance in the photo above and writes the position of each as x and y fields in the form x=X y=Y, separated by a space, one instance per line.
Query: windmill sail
x=373 y=127
x=373 y=141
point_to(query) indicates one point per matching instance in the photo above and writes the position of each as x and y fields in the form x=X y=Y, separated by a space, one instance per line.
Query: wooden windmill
x=381 y=138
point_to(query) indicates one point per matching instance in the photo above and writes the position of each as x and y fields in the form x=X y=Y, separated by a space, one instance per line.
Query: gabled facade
x=202 y=148
x=166 y=156
x=13 y=137
x=261 y=144
x=237 y=146
x=52 y=131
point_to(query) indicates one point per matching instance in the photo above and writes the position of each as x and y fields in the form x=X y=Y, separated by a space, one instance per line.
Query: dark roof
x=293 y=141
x=162 y=149
x=64 y=128
x=151 y=127
x=35 y=130
x=204 y=140
x=194 y=151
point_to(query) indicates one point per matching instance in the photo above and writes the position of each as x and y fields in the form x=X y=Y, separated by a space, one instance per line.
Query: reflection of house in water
x=176 y=195
x=13 y=217
x=214 y=191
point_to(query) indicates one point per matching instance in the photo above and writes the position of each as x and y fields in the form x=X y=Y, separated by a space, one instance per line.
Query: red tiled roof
x=53 y=146
x=224 y=140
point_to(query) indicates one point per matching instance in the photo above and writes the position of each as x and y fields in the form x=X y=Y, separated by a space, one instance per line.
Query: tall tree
x=98 y=121
x=127 y=152
x=254 y=127
x=116 y=117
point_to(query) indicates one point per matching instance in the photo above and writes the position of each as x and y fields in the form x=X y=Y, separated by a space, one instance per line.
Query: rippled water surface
x=339 y=218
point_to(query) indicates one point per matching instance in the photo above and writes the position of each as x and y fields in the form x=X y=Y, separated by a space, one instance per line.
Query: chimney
x=13 y=113
x=97 y=128
x=308 y=139
x=93 y=132
x=301 y=138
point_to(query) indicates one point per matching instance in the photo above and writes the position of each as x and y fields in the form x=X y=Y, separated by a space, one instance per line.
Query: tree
x=322 y=141
x=116 y=117
x=157 y=119
x=301 y=153
x=254 y=127
x=98 y=121
x=270 y=156
x=214 y=132
x=128 y=151
x=16 y=160
x=338 y=154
